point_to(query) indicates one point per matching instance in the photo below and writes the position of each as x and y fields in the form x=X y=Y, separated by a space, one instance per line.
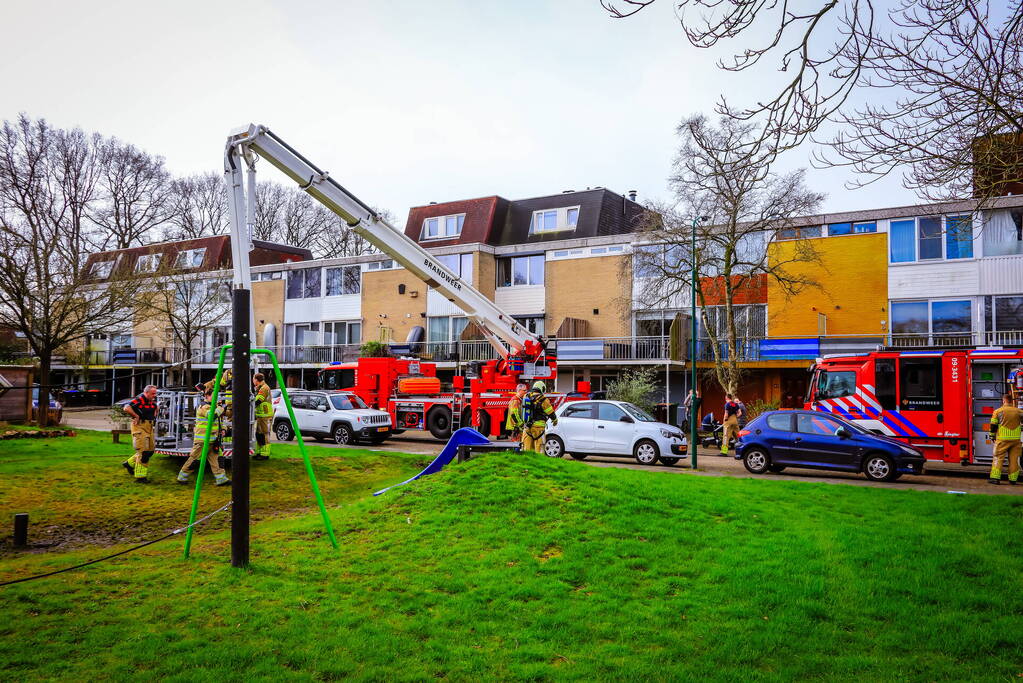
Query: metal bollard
x=20 y=530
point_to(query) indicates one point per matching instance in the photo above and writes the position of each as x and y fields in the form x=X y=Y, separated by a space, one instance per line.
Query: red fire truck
x=938 y=400
x=407 y=388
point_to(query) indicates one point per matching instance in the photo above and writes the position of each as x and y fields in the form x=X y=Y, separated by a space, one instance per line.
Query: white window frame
x=343 y=270
x=148 y=263
x=102 y=269
x=561 y=223
x=188 y=256
x=943 y=236
x=380 y=265
x=529 y=271
x=444 y=231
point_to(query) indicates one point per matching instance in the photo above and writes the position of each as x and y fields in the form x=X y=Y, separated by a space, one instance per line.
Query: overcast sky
x=403 y=102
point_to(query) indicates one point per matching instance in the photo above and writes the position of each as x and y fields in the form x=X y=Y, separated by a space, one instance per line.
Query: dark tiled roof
x=481 y=214
x=601 y=213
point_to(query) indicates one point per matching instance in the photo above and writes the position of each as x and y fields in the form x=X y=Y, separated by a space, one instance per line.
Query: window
x=344 y=280
x=190 y=258
x=609 y=412
x=443 y=328
x=803 y=232
x=1003 y=233
x=901 y=235
x=443 y=227
x=317 y=402
x=534 y=324
x=864 y=227
x=304 y=284
x=951 y=317
x=909 y=317
x=921 y=383
x=832 y=384
x=617 y=248
x=959 y=237
x=780 y=421
x=300 y=401
x=380 y=265
x=818 y=425
x=929 y=237
x=148 y=263
x=520 y=271
x=638 y=413
x=598 y=250
x=1008 y=313
x=552 y=220
x=276 y=275
x=102 y=269
x=459 y=264
x=579 y=410
x=561 y=254
x=339 y=333
x=937 y=317
x=302 y=334
x=839 y=229
x=884 y=383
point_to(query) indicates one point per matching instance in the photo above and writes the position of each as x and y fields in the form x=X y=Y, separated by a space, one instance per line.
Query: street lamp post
x=693 y=401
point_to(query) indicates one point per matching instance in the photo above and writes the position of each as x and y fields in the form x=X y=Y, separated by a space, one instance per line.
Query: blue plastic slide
x=465 y=435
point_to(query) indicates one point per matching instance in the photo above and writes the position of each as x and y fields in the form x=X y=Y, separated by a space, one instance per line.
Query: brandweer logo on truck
x=446 y=276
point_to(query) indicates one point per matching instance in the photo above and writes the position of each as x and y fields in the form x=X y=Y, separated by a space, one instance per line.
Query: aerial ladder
x=515 y=344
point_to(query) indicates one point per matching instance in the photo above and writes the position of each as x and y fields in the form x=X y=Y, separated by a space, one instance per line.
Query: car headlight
x=668 y=434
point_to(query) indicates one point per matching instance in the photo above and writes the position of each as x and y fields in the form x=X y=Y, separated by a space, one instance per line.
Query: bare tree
x=48 y=183
x=136 y=195
x=190 y=305
x=718 y=177
x=200 y=207
x=951 y=66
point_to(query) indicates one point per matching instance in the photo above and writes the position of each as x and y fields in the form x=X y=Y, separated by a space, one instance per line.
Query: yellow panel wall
x=380 y=297
x=575 y=287
x=853 y=293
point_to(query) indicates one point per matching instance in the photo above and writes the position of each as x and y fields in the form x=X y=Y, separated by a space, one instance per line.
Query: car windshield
x=852 y=426
x=347 y=402
x=637 y=412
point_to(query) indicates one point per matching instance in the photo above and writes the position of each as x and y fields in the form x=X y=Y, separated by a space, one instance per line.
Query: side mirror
x=322 y=408
x=842 y=433
x=626 y=418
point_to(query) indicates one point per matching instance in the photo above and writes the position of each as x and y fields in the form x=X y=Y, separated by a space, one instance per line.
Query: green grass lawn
x=521 y=567
x=76 y=491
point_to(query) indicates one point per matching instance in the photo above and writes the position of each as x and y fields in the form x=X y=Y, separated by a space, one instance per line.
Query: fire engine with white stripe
x=937 y=400
x=407 y=388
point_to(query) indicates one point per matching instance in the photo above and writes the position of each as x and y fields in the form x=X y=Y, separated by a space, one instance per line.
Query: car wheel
x=578 y=456
x=284 y=432
x=777 y=468
x=669 y=462
x=879 y=467
x=553 y=447
x=756 y=460
x=438 y=421
x=342 y=434
x=646 y=452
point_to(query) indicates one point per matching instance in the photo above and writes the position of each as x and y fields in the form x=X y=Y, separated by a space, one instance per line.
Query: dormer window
x=102 y=269
x=148 y=263
x=190 y=258
x=443 y=227
x=554 y=220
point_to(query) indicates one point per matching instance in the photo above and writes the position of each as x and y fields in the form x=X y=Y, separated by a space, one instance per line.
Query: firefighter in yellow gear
x=1005 y=431
x=203 y=416
x=536 y=409
x=513 y=425
x=264 y=414
x=225 y=390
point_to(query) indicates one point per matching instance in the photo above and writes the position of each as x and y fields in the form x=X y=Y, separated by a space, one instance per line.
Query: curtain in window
x=930 y=238
x=959 y=237
x=1001 y=234
x=901 y=236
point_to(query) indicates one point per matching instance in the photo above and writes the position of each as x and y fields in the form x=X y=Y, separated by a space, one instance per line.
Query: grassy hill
x=528 y=568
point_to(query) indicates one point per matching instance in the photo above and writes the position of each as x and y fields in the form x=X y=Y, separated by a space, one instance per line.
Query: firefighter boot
x=221 y=480
x=183 y=477
x=127 y=464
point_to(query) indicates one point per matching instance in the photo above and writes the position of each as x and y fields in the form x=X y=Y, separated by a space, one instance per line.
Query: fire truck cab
x=937 y=400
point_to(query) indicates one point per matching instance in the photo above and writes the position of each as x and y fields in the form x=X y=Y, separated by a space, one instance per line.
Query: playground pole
x=241 y=427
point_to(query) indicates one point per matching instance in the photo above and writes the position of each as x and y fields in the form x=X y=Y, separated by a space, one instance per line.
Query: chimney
x=632 y=195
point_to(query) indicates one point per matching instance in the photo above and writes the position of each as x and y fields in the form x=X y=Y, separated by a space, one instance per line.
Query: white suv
x=613 y=428
x=338 y=415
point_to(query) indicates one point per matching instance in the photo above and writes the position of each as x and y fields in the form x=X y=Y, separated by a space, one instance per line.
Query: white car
x=613 y=428
x=337 y=415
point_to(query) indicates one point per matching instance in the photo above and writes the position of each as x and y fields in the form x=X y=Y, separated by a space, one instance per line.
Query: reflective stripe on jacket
x=264 y=406
x=1007 y=419
x=202 y=417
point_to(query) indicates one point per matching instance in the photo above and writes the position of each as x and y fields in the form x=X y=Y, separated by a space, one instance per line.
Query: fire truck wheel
x=284 y=431
x=756 y=460
x=553 y=447
x=342 y=434
x=879 y=467
x=438 y=421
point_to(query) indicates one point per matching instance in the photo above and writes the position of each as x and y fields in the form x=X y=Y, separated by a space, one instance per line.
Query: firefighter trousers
x=212 y=457
x=532 y=437
x=144 y=443
x=1012 y=451
x=262 y=437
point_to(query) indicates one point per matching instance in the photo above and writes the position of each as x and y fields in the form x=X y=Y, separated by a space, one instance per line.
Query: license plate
x=382 y=429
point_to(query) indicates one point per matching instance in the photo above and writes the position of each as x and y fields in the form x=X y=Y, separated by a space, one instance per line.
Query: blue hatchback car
x=804 y=438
